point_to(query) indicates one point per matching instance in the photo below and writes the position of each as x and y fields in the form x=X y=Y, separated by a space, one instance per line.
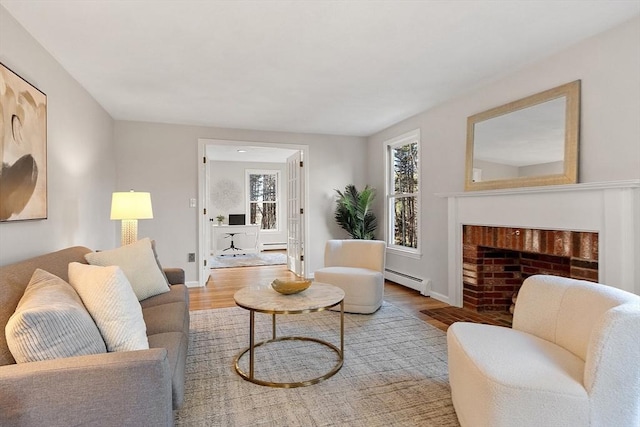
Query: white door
x=205 y=239
x=295 y=214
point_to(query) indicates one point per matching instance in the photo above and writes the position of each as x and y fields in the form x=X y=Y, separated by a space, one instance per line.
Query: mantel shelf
x=632 y=183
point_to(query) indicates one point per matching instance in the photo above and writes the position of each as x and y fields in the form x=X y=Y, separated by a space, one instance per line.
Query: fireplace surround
x=609 y=212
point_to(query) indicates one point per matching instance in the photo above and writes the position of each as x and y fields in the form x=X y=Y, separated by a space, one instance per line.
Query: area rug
x=394 y=372
x=248 y=260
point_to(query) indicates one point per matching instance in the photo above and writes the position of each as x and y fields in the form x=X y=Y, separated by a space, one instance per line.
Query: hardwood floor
x=224 y=282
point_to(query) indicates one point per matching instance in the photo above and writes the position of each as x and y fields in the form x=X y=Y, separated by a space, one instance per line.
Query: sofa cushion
x=51 y=322
x=110 y=300
x=171 y=317
x=138 y=263
x=177 y=293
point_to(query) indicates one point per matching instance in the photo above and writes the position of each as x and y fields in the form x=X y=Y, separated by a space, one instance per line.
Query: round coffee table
x=264 y=299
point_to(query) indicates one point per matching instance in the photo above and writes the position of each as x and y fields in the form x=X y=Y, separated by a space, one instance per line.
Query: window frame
x=277 y=202
x=390 y=195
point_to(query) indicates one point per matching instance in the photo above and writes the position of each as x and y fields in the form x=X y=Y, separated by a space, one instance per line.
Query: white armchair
x=571 y=359
x=357 y=267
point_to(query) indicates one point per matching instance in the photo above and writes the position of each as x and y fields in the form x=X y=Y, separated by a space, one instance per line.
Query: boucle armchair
x=357 y=267
x=571 y=359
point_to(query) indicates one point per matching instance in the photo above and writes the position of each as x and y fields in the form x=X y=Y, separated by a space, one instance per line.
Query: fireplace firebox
x=496 y=260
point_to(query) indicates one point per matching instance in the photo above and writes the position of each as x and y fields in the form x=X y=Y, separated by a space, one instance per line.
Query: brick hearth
x=496 y=260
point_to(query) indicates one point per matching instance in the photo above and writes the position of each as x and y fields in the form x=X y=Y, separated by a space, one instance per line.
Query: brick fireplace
x=496 y=260
x=589 y=231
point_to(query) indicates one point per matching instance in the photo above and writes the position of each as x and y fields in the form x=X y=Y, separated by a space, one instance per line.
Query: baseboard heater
x=273 y=246
x=421 y=285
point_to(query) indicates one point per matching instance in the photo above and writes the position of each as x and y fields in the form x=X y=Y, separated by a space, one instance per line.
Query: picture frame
x=23 y=149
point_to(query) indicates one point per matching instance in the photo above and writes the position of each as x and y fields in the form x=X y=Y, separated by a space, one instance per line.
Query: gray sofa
x=133 y=388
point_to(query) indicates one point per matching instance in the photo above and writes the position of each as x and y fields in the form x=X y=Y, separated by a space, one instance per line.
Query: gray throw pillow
x=51 y=322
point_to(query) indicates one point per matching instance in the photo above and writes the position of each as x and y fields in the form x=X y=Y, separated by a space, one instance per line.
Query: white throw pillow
x=139 y=264
x=110 y=300
x=50 y=322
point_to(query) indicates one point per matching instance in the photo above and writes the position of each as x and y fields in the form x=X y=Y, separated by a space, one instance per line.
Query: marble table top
x=266 y=300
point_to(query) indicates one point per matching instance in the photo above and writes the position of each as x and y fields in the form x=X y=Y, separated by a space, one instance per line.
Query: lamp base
x=129 y=231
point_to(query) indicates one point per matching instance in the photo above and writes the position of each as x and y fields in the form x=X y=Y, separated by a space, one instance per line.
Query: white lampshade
x=131 y=205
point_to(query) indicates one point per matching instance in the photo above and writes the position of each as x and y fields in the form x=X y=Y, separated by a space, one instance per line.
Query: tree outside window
x=403 y=192
x=263 y=199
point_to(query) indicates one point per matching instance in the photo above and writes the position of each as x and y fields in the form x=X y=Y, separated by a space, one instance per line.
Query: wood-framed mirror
x=529 y=142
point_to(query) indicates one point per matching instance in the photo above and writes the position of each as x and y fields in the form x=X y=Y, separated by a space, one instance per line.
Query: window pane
x=405 y=168
x=405 y=222
x=262 y=187
x=263 y=214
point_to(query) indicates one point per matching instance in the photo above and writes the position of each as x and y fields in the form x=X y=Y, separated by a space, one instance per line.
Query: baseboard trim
x=440 y=297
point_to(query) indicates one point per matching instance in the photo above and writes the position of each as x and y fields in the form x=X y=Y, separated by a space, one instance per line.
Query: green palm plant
x=354 y=212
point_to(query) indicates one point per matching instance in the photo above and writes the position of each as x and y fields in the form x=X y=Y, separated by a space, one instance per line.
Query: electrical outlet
x=192 y=257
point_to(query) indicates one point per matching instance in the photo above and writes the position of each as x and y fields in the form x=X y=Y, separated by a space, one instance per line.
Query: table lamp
x=129 y=207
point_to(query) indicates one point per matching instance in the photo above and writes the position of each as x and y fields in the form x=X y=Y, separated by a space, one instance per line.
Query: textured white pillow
x=139 y=265
x=50 y=322
x=110 y=300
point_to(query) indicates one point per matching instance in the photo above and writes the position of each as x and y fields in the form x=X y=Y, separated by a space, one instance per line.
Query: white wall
x=550 y=168
x=492 y=170
x=163 y=159
x=609 y=67
x=236 y=173
x=81 y=169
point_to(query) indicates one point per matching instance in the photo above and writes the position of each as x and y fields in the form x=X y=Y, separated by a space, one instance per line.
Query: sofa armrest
x=127 y=388
x=175 y=276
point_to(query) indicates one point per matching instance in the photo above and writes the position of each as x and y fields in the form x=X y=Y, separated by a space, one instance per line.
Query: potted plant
x=220 y=218
x=354 y=212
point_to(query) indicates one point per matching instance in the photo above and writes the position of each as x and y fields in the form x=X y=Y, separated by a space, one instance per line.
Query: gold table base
x=252 y=345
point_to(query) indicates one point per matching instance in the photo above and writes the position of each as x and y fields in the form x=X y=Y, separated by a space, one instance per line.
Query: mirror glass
x=529 y=142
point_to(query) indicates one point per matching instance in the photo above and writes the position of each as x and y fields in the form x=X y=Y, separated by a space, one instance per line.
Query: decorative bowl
x=288 y=287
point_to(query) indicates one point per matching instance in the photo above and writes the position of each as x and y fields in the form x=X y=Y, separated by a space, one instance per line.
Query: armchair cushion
x=526 y=374
x=355 y=266
x=364 y=288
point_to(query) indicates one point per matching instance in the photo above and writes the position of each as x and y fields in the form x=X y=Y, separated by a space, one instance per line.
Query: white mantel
x=612 y=209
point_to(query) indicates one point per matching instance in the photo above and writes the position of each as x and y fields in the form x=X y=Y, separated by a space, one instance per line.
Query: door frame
x=203 y=237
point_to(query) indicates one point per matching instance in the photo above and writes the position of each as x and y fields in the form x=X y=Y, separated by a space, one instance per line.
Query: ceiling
x=329 y=67
x=240 y=152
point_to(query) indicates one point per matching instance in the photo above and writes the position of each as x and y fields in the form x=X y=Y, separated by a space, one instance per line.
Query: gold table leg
x=252 y=322
x=252 y=345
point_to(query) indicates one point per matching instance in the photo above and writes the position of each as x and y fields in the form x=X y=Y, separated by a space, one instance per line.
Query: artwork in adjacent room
x=23 y=149
x=226 y=194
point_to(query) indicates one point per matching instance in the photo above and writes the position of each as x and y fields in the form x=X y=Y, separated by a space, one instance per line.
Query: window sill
x=404 y=253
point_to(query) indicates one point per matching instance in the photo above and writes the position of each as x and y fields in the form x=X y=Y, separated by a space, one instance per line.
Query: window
x=403 y=192
x=263 y=198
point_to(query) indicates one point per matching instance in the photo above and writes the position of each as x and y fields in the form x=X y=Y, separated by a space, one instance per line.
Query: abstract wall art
x=23 y=149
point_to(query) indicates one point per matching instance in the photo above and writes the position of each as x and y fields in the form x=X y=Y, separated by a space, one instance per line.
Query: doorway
x=225 y=169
